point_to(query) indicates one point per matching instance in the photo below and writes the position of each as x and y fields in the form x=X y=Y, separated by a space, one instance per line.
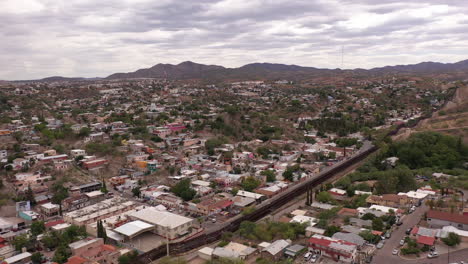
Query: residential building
x=233 y=250
x=213 y=206
x=94 y=249
x=166 y=223
x=293 y=251
x=336 y=249
x=98 y=211
x=441 y=219
x=77 y=152
x=49 y=209
x=391 y=200
x=275 y=250
x=23 y=258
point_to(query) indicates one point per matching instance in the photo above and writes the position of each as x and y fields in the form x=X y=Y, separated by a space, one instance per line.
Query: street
x=384 y=255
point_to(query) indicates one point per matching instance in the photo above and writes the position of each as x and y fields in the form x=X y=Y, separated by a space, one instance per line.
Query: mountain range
x=192 y=70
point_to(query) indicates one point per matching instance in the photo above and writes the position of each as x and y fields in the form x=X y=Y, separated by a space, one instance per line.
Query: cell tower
x=342 y=57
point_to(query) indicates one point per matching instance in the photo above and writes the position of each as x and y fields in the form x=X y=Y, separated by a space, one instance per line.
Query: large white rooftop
x=160 y=218
x=301 y=219
x=250 y=194
x=414 y=195
x=133 y=228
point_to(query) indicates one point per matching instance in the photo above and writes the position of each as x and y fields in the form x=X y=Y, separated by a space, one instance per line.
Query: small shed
x=293 y=251
x=205 y=253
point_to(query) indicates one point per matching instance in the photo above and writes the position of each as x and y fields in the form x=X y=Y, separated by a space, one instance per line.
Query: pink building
x=94 y=250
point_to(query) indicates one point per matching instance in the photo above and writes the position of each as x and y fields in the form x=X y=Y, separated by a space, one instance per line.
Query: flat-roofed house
x=94 y=250
x=166 y=223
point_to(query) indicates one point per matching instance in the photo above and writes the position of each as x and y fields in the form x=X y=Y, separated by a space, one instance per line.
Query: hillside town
x=107 y=171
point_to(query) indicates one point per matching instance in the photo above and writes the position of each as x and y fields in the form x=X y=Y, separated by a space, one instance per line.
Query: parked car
x=408 y=231
x=314 y=258
x=388 y=234
x=402 y=242
x=369 y=259
x=395 y=251
x=433 y=255
x=380 y=245
x=307 y=256
x=399 y=223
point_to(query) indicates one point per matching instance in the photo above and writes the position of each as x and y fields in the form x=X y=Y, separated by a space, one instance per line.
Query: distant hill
x=270 y=71
x=191 y=70
x=425 y=67
x=184 y=70
x=60 y=79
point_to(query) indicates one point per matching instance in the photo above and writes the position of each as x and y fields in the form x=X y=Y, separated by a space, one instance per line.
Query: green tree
x=270 y=175
x=234 y=191
x=84 y=132
x=101 y=231
x=104 y=186
x=37 y=228
x=369 y=237
x=136 y=191
x=184 y=190
x=30 y=195
x=128 y=258
x=452 y=239
x=20 y=241
x=288 y=175
x=330 y=230
x=368 y=216
x=324 y=197
x=37 y=258
x=60 y=193
x=62 y=253
x=250 y=183
x=377 y=224
x=51 y=240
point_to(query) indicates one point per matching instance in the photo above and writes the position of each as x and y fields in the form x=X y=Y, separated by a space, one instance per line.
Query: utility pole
x=448 y=255
x=167 y=240
x=342 y=57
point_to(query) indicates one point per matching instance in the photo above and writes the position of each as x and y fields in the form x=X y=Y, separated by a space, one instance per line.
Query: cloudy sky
x=91 y=38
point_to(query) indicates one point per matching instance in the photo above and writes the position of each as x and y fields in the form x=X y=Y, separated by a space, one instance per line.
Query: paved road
x=384 y=255
x=455 y=257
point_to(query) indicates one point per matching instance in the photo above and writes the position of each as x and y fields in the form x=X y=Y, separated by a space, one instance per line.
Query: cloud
x=96 y=38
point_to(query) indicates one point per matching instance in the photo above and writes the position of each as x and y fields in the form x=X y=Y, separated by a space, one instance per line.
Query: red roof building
x=77 y=260
x=425 y=240
x=338 y=250
x=54 y=223
x=441 y=219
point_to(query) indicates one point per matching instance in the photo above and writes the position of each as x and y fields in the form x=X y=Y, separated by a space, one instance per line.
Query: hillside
x=191 y=70
x=452 y=119
x=184 y=70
